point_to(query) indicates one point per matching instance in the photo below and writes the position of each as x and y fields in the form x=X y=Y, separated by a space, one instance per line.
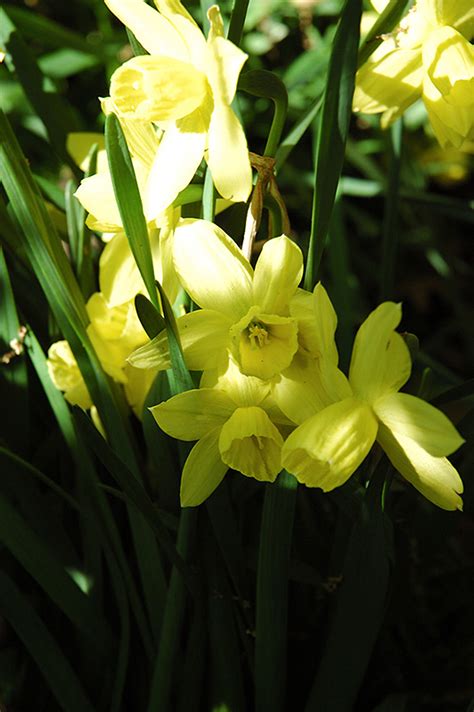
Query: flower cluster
x=430 y=57
x=271 y=393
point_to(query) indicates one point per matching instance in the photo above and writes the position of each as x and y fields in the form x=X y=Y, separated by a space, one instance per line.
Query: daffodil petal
x=177 y=160
x=154 y=32
x=154 y=354
x=184 y=24
x=393 y=80
x=448 y=58
x=299 y=392
x=326 y=449
x=139 y=382
x=203 y=470
x=225 y=60
x=193 y=414
x=380 y=361
x=228 y=155
x=119 y=278
x=211 y=268
x=66 y=376
x=97 y=197
x=459 y=14
x=410 y=417
x=326 y=323
x=452 y=125
x=278 y=272
x=434 y=477
x=204 y=338
x=251 y=444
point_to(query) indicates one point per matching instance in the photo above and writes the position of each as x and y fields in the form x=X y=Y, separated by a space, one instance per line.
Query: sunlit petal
x=298 y=391
x=154 y=32
x=228 y=156
x=410 y=417
x=381 y=361
x=434 y=477
x=177 y=160
x=278 y=272
x=212 y=268
x=203 y=470
x=193 y=414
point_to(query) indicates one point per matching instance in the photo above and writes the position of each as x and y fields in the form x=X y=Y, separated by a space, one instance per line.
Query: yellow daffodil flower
x=429 y=56
x=114 y=333
x=244 y=312
x=235 y=426
x=328 y=447
x=186 y=85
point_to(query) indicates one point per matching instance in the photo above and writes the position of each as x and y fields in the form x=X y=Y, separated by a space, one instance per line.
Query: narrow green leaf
x=129 y=202
x=13 y=374
x=237 y=21
x=360 y=605
x=132 y=488
x=272 y=593
x=36 y=558
x=393 y=703
x=464 y=390
x=50 y=659
x=297 y=132
x=333 y=130
x=150 y=318
x=182 y=381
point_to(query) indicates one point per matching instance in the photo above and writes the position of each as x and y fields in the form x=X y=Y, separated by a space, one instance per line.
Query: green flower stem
x=390 y=223
x=272 y=593
x=267 y=85
x=384 y=24
x=237 y=20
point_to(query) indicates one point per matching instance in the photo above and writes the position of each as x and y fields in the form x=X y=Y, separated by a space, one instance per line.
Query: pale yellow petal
x=393 y=80
x=119 y=278
x=154 y=32
x=456 y=13
x=184 y=24
x=278 y=272
x=176 y=161
x=153 y=354
x=203 y=470
x=453 y=126
x=251 y=444
x=434 y=477
x=225 y=60
x=204 y=338
x=157 y=88
x=298 y=391
x=97 y=197
x=193 y=414
x=244 y=390
x=410 y=417
x=326 y=449
x=211 y=268
x=381 y=361
x=317 y=322
x=228 y=156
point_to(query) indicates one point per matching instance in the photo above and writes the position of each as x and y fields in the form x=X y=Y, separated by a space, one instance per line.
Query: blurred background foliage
x=424 y=656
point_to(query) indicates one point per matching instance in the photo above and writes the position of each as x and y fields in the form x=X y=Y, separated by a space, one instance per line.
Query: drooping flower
x=429 y=56
x=328 y=447
x=245 y=312
x=186 y=85
x=236 y=425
